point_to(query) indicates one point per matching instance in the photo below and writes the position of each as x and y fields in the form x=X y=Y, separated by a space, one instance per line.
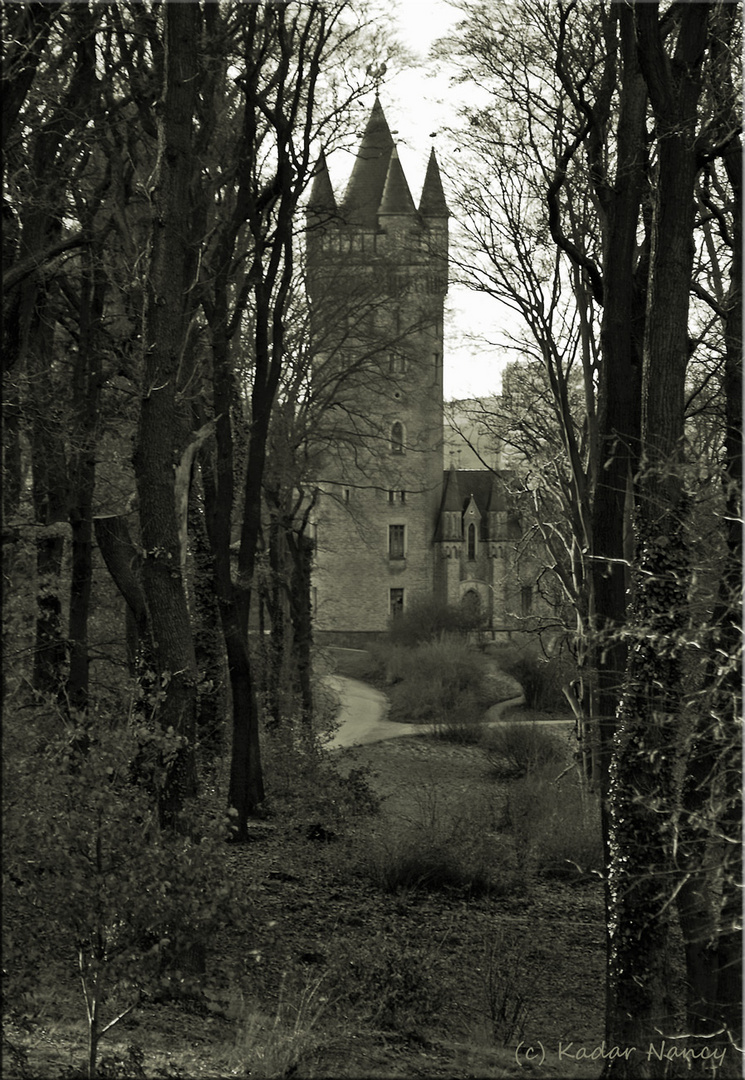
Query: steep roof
x=321 y=199
x=488 y=491
x=396 y=197
x=452 y=499
x=365 y=188
x=485 y=489
x=432 y=202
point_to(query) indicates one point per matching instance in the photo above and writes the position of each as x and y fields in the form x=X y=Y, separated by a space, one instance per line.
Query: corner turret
x=396 y=200
x=321 y=201
x=432 y=203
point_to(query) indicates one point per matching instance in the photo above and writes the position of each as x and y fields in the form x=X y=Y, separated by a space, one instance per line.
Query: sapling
x=94 y=880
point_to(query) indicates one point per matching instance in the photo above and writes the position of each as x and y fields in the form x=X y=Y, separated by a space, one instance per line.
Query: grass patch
x=268 y=1046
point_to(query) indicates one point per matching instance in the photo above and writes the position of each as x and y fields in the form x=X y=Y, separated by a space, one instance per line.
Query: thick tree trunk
x=49 y=648
x=123 y=561
x=246 y=786
x=275 y=601
x=29 y=332
x=644 y=796
x=11 y=453
x=246 y=789
x=619 y=422
x=710 y=860
x=619 y=395
x=86 y=396
x=156 y=457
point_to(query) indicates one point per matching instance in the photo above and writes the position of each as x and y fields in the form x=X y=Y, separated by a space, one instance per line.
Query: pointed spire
x=432 y=202
x=396 y=195
x=321 y=200
x=365 y=188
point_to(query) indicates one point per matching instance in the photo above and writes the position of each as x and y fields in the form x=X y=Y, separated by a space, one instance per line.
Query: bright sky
x=418 y=103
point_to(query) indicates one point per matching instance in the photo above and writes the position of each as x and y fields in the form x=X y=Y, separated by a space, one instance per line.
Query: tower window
x=396 y=538
x=472 y=541
x=397 y=603
x=396 y=364
x=403 y=496
x=346 y=495
x=526 y=599
x=397 y=438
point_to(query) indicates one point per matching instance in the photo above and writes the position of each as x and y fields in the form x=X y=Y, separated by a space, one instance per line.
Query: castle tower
x=377 y=279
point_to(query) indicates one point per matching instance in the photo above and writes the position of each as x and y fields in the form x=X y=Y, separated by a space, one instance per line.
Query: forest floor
x=334 y=976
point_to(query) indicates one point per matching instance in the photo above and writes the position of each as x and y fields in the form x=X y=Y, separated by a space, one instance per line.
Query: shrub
x=541 y=679
x=92 y=882
x=505 y=986
x=436 y=682
x=463 y=725
x=275 y=1046
x=406 y=865
x=396 y=985
x=438 y=850
x=428 y=619
x=304 y=779
x=555 y=825
x=514 y=750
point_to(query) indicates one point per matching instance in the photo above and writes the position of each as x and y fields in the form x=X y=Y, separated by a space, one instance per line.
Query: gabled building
x=392 y=523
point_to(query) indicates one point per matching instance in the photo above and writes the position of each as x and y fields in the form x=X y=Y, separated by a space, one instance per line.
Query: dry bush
x=433 y=682
x=270 y=1047
x=506 y=986
x=439 y=849
x=555 y=825
x=514 y=750
x=540 y=677
x=394 y=985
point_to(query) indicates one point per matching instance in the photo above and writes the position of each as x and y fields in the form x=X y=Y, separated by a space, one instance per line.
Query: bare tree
x=648 y=107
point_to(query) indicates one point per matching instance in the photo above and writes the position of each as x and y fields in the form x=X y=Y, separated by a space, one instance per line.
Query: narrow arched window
x=472 y=541
x=397 y=438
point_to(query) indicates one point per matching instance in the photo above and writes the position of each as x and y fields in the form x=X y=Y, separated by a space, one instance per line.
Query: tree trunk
x=123 y=561
x=165 y=328
x=301 y=550
x=86 y=396
x=643 y=795
x=709 y=901
x=619 y=395
x=50 y=495
x=619 y=420
x=208 y=641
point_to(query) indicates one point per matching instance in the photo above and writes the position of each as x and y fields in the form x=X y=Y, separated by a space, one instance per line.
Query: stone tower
x=377 y=279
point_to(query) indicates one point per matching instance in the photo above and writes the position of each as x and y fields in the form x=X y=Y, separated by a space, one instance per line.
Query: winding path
x=363 y=714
